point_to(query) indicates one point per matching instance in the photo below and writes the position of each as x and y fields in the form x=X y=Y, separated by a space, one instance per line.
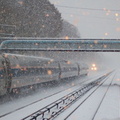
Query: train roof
x=18 y=55
x=39 y=57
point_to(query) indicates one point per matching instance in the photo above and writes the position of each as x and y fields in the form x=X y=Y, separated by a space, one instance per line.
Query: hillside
x=69 y=30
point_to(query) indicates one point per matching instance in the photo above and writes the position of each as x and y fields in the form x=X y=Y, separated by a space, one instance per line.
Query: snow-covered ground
x=44 y=92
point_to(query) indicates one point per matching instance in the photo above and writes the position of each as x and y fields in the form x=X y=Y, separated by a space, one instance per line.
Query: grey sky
x=92 y=23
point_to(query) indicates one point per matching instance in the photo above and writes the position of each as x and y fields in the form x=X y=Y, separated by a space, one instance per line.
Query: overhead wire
x=93 y=9
x=90 y=16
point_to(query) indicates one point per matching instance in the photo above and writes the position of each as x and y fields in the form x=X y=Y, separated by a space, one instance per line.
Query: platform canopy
x=83 y=45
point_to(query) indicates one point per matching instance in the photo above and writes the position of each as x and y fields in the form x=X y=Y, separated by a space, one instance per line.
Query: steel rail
x=102 y=98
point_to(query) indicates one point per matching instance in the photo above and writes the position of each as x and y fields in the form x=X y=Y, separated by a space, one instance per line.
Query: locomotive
x=17 y=71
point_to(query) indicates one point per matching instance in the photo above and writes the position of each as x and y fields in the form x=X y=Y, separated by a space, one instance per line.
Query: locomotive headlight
x=94 y=67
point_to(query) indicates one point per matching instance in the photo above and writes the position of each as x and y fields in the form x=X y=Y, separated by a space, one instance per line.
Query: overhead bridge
x=82 y=45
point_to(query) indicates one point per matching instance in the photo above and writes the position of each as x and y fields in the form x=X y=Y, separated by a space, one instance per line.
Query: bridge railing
x=83 y=45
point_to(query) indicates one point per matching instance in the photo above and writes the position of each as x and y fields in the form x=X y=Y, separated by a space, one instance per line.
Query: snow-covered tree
x=32 y=18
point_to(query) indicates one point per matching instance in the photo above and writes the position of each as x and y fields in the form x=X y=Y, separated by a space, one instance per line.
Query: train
x=17 y=71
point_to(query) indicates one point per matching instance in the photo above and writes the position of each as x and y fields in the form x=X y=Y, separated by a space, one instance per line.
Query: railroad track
x=102 y=99
x=98 y=106
x=55 y=108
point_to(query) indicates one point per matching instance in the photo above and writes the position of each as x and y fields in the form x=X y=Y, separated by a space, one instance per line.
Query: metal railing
x=37 y=44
